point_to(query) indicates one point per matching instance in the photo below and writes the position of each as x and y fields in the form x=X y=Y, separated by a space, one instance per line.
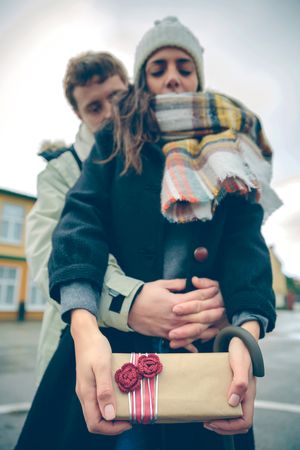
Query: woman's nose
x=172 y=80
x=172 y=83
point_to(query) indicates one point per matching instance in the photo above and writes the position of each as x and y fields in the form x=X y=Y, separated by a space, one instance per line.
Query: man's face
x=94 y=100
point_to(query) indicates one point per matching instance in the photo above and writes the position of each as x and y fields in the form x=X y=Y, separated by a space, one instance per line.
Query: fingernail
x=194 y=350
x=234 y=400
x=109 y=412
x=208 y=427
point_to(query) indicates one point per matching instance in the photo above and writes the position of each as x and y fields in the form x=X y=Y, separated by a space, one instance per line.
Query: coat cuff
x=246 y=316
x=117 y=297
x=77 y=295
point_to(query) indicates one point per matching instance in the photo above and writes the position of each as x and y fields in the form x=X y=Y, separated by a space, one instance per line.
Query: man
x=91 y=81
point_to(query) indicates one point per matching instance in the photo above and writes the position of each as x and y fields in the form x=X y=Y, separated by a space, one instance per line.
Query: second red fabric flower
x=149 y=366
x=129 y=376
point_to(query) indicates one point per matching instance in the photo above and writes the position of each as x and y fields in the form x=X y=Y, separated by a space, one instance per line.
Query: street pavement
x=277 y=414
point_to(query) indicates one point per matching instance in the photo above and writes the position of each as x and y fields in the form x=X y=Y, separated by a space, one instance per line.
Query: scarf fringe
x=199 y=174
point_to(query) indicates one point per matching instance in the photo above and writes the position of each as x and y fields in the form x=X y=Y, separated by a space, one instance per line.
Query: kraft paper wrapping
x=193 y=387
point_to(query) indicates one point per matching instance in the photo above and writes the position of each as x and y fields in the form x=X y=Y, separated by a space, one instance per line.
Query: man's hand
x=205 y=316
x=160 y=310
x=151 y=313
x=93 y=375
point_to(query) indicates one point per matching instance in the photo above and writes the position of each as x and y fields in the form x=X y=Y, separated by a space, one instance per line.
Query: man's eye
x=114 y=95
x=94 y=108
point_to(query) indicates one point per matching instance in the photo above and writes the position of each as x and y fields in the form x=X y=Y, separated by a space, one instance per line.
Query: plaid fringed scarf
x=215 y=146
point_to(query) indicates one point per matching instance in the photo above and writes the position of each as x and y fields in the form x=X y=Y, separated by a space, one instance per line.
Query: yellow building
x=279 y=280
x=18 y=296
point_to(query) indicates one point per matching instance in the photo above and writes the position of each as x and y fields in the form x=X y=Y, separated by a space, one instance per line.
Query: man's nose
x=107 y=110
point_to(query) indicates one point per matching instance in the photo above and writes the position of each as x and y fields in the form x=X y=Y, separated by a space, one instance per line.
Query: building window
x=9 y=288
x=11 y=223
x=35 y=300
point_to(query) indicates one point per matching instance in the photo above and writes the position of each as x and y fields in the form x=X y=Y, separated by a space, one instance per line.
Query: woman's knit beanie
x=168 y=32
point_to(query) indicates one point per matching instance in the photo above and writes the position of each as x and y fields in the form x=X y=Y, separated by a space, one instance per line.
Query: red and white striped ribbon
x=143 y=402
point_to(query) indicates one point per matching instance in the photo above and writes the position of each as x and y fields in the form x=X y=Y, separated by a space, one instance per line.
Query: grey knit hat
x=169 y=32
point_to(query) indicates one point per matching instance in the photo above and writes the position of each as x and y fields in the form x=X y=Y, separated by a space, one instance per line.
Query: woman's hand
x=242 y=389
x=93 y=375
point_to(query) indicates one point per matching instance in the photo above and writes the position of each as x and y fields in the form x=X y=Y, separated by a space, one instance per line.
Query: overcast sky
x=251 y=52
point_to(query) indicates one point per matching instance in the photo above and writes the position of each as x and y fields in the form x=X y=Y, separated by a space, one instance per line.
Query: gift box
x=172 y=387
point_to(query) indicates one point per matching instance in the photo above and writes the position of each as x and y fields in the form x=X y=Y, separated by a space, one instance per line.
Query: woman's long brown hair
x=134 y=122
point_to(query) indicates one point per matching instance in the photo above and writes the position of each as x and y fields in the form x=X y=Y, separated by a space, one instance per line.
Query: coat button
x=200 y=254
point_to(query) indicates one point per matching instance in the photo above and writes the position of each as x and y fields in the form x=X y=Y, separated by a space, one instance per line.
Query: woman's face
x=171 y=69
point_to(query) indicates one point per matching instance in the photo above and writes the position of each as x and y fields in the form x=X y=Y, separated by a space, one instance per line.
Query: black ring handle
x=224 y=337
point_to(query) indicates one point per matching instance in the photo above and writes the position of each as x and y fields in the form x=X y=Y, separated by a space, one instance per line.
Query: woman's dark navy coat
x=121 y=214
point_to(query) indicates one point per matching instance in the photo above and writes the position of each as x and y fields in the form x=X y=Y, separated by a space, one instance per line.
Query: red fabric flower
x=128 y=378
x=150 y=365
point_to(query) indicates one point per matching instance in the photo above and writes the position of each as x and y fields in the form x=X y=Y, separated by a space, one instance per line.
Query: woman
x=115 y=206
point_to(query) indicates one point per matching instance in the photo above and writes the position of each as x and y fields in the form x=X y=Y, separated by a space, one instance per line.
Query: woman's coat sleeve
x=80 y=240
x=245 y=273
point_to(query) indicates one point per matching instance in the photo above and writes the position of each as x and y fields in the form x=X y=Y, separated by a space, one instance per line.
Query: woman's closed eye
x=185 y=72
x=186 y=68
x=157 y=69
x=181 y=71
x=157 y=73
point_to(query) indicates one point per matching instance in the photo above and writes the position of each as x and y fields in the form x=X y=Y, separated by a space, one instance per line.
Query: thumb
x=240 y=363
x=105 y=393
x=178 y=284
x=201 y=283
